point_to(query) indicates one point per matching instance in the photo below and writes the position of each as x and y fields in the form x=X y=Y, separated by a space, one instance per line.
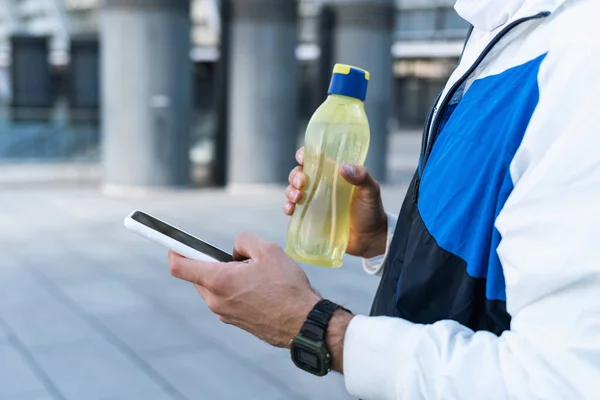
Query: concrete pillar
x=363 y=37
x=146 y=93
x=262 y=91
x=221 y=99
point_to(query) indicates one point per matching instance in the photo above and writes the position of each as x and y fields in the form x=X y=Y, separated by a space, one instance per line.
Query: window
x=416 y=24
x=453 y=26
x=440 y=23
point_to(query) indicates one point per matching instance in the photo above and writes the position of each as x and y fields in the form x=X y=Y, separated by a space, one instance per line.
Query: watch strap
x=309 y=349
x=315 y=327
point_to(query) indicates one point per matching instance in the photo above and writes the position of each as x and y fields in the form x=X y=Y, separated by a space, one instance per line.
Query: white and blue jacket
x=491 y=283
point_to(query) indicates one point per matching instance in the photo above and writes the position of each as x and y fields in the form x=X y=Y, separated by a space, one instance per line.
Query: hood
x=487 y=15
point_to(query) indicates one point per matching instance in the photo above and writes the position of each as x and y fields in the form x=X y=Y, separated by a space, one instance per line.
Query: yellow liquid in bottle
x=337 y=134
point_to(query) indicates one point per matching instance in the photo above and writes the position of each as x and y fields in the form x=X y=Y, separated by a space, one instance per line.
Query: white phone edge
x=164 y=240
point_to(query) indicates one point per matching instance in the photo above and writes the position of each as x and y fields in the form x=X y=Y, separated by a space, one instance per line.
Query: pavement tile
x=211 y=330
x=211 y=374
x=16 y=375
x=179 y=296
x=145 y=395
x=46 y=323
x=22 y=288
x=4 y=335
x=35 y=395
x=281 y=367
x=63 y=266
x=94 y=369
x=150 y=331
x=105 y=297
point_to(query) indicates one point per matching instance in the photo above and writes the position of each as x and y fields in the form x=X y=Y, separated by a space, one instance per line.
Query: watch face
x=310 y=356
x=307 y=359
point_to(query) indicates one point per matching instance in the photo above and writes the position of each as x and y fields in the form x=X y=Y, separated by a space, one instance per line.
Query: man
x=491 y=280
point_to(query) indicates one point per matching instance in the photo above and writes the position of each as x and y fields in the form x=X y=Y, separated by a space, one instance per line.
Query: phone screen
x=182 y=237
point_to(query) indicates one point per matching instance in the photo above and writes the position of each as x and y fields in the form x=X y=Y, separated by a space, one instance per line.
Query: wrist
x=378 y=243
x=319 y=346
x=299 y=317
x=336 y=333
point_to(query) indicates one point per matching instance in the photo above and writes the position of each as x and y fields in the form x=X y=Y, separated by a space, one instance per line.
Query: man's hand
x=368 y=222
x=269 y=296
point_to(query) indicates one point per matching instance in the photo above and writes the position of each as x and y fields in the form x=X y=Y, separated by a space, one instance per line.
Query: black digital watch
x=309 y=350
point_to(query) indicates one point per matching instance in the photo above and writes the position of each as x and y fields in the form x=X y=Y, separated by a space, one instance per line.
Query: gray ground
x=89 y=311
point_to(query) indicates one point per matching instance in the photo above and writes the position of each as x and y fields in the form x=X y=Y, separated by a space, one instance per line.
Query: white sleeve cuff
x=374 y=366
x=374 y=266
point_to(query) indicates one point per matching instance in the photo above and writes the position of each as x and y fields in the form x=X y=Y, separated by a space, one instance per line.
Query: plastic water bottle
x=338 y=133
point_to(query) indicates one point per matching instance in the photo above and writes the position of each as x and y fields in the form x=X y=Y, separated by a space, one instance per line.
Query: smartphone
x=174 y=239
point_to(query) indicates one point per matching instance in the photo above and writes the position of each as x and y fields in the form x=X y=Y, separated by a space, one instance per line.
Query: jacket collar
x=487 y=15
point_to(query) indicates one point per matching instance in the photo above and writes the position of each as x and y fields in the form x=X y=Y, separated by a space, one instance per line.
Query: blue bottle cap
x=349 y=81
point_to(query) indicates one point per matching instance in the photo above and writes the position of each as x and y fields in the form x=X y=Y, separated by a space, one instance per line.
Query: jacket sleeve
x=550 y=254
x=374 y=266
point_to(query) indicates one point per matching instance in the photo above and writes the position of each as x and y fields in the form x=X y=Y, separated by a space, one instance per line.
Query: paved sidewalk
x=89 y=311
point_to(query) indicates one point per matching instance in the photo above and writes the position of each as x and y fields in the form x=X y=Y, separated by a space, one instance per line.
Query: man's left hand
x=269 y=296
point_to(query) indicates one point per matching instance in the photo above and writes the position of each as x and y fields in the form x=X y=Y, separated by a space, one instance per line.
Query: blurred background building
x=51 y=69
x=145 y=93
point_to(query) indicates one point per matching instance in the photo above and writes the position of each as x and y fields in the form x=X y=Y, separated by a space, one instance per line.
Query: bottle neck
x=345 y=98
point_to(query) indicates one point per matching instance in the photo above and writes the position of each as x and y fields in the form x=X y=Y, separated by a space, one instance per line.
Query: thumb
x=247 y=247
x=360 y=177
x=198 y=272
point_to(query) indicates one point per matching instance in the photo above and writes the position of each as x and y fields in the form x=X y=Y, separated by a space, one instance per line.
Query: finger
x=289 y=208
x=293 y=194
x=300 y=155
x=297 y=178
x=359 y=176
x=247 y=246
x=194 y=271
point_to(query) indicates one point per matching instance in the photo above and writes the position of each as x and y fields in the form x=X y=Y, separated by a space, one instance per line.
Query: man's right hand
x=368 y=221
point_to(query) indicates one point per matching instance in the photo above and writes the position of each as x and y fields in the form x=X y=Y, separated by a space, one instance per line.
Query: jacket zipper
x=427 y=144
x=424 y=140
x=432 y=109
